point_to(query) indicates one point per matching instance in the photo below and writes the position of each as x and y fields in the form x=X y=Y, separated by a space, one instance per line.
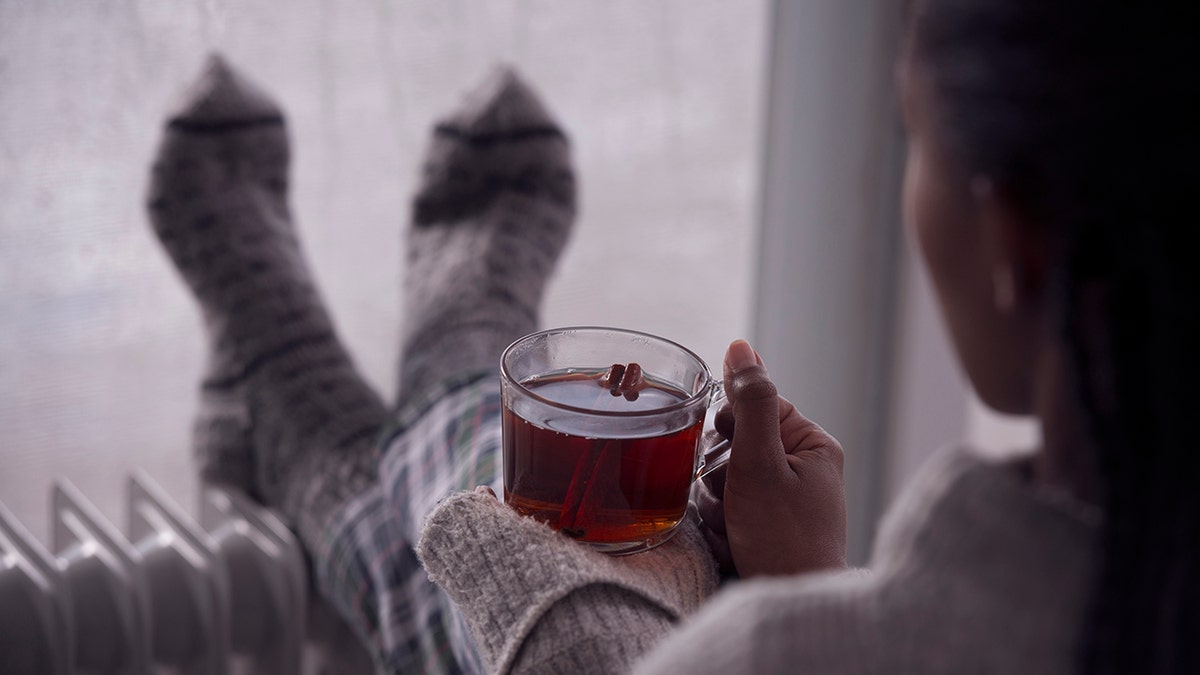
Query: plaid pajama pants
x=447 y=441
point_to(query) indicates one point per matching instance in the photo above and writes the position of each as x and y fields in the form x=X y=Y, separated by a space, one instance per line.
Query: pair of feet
x=284 y=415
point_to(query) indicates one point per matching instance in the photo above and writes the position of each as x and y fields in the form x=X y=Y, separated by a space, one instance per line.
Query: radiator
x=227 y=593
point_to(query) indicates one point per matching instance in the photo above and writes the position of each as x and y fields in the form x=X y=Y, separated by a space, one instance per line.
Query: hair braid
x=1077 y=111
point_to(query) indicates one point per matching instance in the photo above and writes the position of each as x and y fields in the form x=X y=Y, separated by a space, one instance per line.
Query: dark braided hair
x=1083 y=116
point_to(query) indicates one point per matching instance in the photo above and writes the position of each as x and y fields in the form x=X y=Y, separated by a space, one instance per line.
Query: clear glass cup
x=611 y=467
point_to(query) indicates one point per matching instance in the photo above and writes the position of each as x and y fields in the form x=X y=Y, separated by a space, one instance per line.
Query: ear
x=1016 y=249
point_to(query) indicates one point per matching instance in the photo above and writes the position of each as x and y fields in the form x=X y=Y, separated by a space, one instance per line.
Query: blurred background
x=741 y=160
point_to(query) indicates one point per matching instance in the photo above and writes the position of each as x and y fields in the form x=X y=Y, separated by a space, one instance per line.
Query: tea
x=590 y=478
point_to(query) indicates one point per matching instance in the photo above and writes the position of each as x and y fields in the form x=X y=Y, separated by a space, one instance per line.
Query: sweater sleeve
x=536 y=601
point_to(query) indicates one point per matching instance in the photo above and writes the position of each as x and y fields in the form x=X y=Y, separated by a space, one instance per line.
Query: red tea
x=598 y=484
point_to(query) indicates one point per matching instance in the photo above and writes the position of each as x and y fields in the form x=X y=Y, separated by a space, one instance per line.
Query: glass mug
x=608 y=466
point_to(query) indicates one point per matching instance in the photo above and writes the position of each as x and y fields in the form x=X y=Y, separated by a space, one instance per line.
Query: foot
x=489 y=222
x=280 y=400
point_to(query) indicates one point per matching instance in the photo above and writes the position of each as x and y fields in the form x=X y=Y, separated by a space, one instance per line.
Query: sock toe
x=503 y=104
x=223 y=96
x=502 y=139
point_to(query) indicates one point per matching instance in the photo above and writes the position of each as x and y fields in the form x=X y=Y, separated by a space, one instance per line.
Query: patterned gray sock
x=493 y=213
x=284 y=415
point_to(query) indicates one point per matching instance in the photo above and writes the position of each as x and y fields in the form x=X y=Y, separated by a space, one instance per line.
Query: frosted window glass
x=100 y=345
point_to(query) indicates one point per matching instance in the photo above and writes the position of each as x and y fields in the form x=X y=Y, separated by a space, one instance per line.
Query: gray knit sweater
x=975 y=571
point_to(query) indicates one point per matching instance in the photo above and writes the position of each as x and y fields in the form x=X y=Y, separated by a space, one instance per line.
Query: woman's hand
x=779 y=506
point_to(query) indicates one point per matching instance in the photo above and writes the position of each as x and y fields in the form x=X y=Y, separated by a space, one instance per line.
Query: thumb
x=757 y=448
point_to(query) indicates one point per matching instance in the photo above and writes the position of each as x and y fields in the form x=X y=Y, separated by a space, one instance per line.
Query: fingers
x=809 y=438
x=718 y=543
x=757 y=448
x=724 y=421
x=714 y=481
x=711 y=510
x=740 y=355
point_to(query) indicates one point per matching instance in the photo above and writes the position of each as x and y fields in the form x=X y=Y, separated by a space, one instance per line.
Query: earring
x=1004 y=288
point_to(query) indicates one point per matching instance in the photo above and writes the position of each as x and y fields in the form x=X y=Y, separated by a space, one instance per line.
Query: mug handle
x=714 y=448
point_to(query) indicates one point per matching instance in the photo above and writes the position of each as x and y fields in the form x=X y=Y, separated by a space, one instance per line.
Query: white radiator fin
x=225 y=595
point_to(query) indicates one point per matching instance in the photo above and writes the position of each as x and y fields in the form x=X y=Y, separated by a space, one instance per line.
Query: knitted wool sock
x=491 y=217
x=537 y=601
x=284 y=416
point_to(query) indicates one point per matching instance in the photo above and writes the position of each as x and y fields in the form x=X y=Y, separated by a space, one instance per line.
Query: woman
x=1050 y=156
